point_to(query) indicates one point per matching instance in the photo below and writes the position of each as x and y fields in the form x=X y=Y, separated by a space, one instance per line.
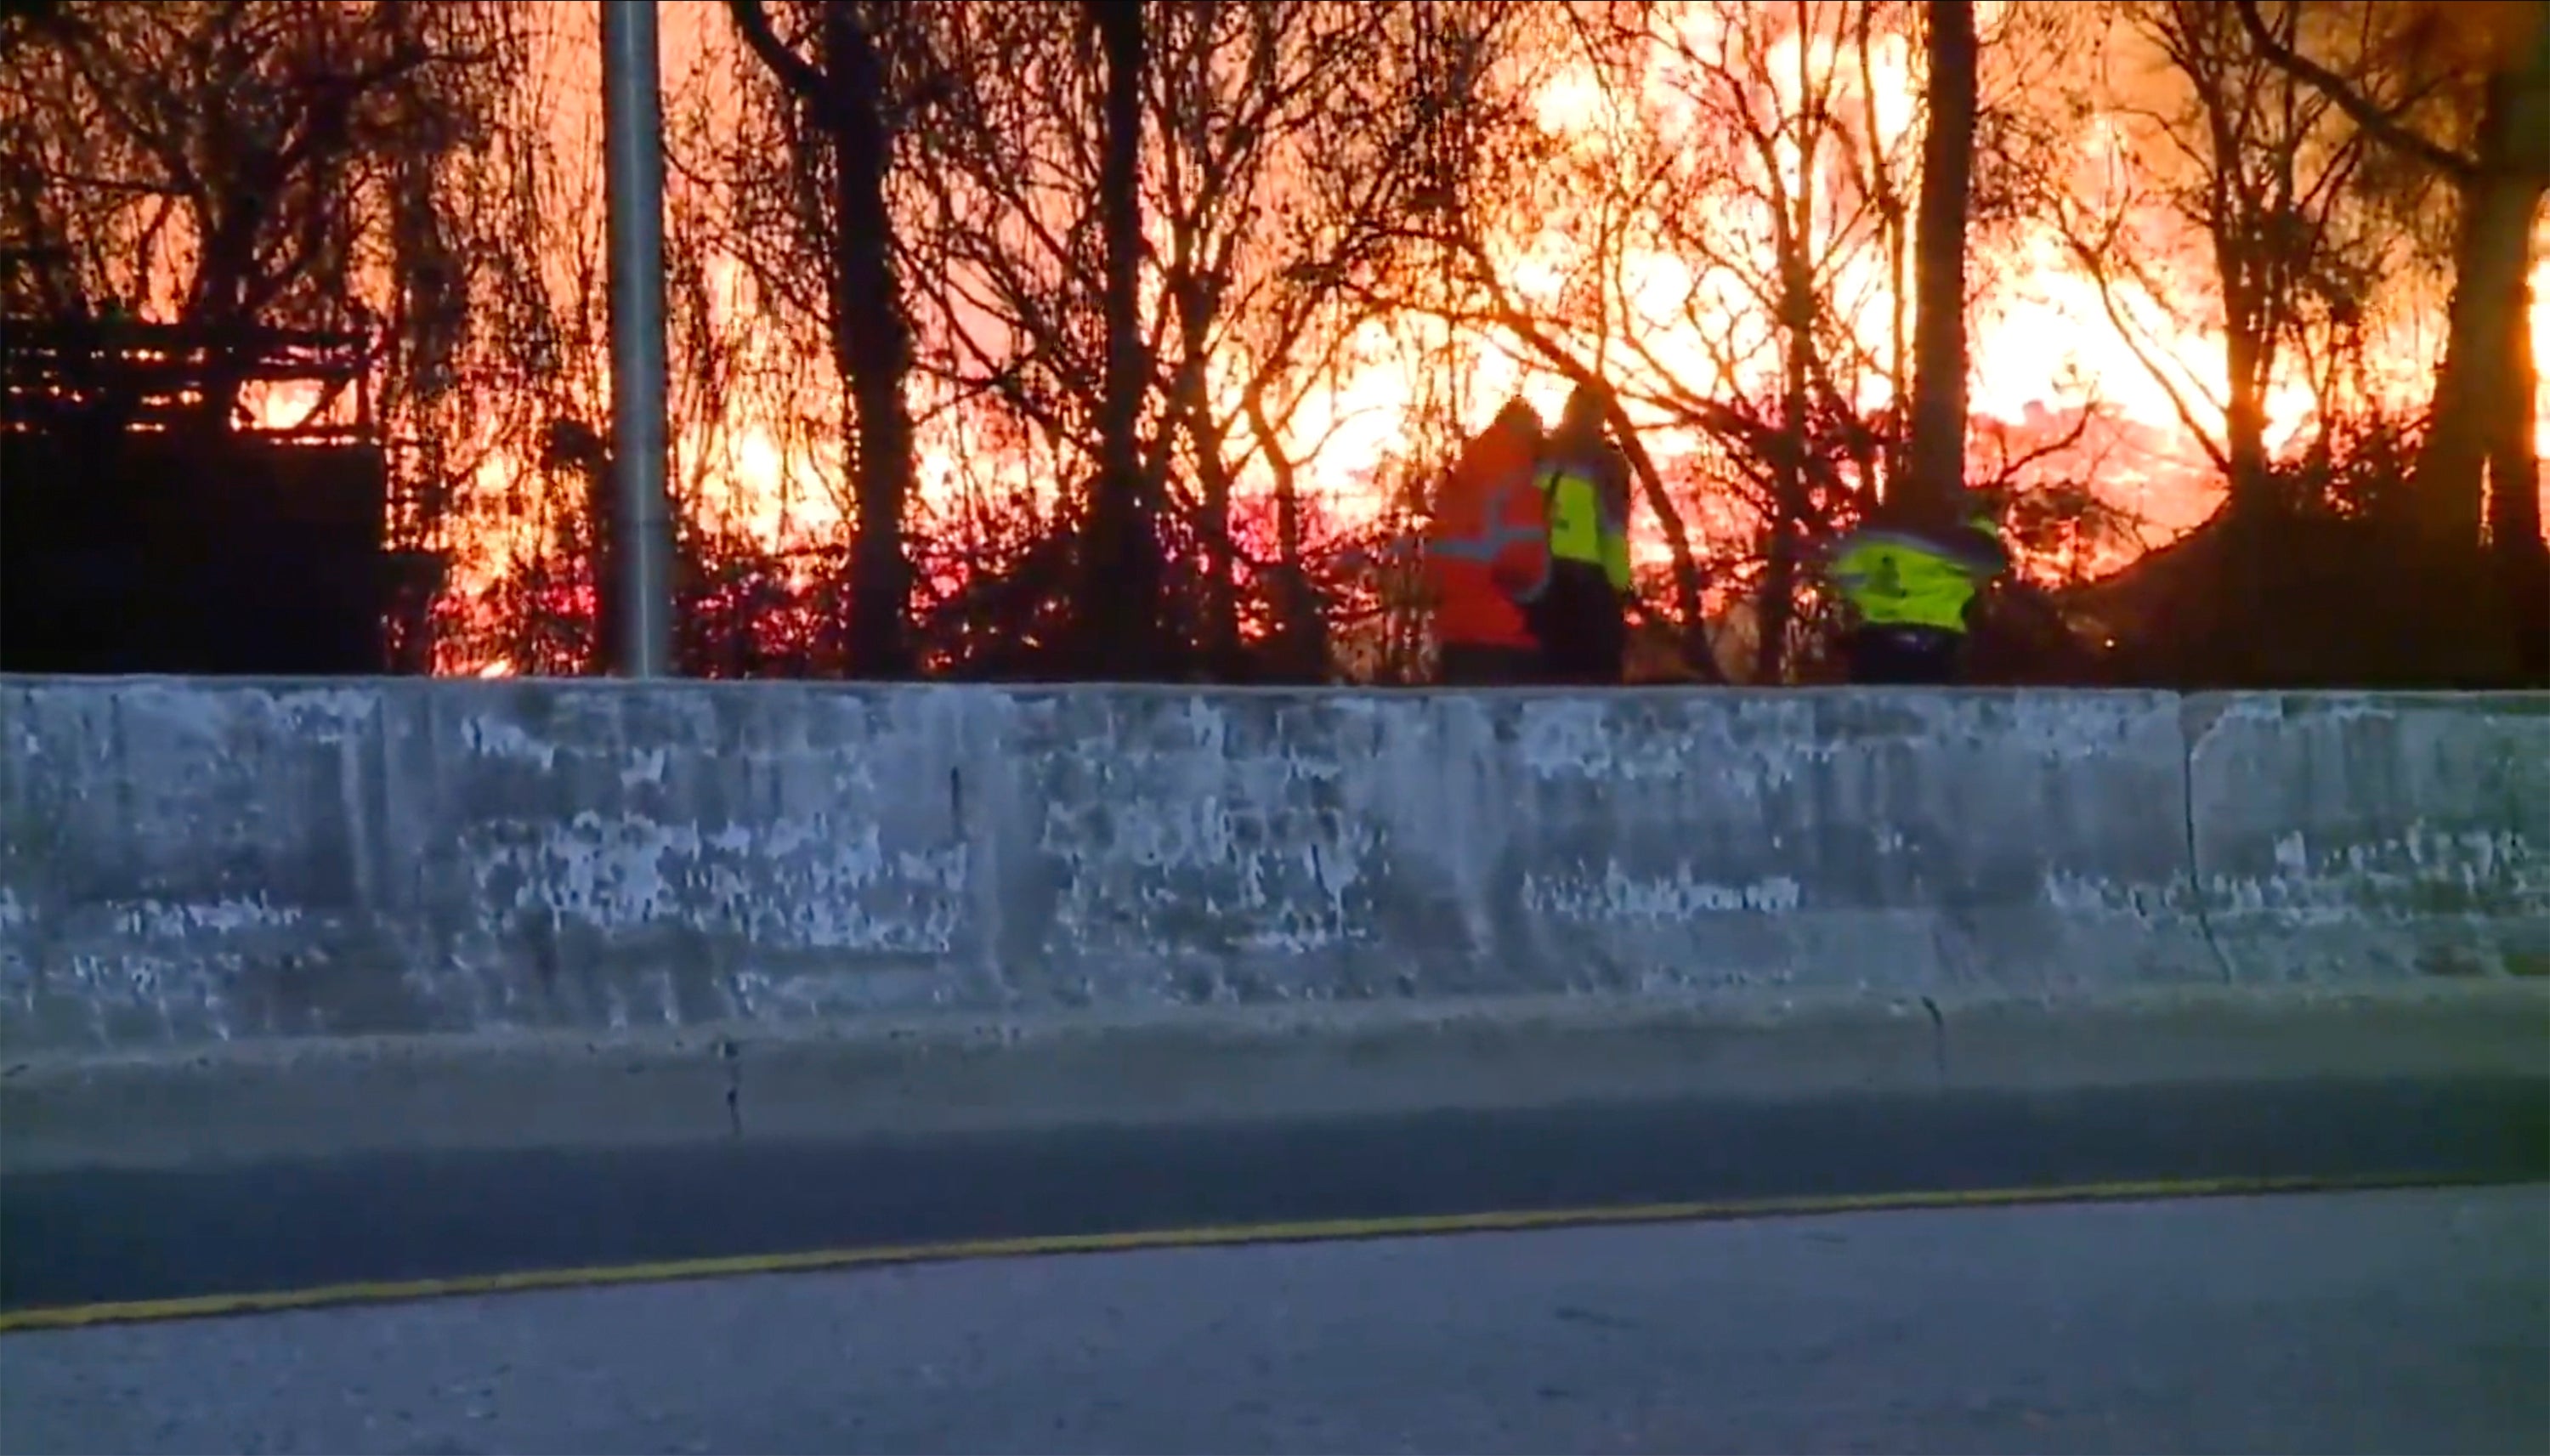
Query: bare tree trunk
x=1221 y=569
x=871 y=334
x=2514 y=505
x=2244 y=415
x=1121 y=570
x=1782 y=549
x=1938 y=443
x=2501 y=181
x=1794 y=241
x=2476 y=469
x=1896 y=229
x=1220 y=634
x=602 y=558
x=2491 y=261
x=1300 y=632
x=2514 y=470
x=872 y=346
x=2252 y=262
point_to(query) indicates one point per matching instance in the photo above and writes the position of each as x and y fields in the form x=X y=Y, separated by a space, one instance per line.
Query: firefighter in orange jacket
x=1487 y=555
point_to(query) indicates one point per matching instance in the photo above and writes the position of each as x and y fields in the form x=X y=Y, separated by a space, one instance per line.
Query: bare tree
x=2478 y=479
x=2242 y=179
x=234 y=163
x=1937 y=444
x=264 y=164
x=1011 y=276
x=523 y=450
x=1283 y=147
x=1120 y=597
x=1733 y=205
x=847 y=233
x=1294 y=139
x=1720 y=209
x=2479 y=442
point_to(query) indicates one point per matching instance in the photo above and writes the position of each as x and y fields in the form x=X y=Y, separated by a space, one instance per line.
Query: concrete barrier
x=672 y=882
x=2344 y=837
x=193 y=865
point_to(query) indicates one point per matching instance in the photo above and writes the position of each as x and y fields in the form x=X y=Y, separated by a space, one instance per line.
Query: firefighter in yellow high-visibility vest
x=1582 y=616
x=1909 y=590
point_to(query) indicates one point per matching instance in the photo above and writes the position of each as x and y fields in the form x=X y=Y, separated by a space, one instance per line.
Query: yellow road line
x=200 y=1307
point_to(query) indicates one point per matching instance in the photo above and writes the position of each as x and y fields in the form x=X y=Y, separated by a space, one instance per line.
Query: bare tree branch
x=2385 y=126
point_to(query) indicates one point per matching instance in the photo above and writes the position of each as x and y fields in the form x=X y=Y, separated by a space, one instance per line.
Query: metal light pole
x=633 y=180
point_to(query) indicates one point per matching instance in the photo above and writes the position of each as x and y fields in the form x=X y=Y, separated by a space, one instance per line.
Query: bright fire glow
x=2042 y=339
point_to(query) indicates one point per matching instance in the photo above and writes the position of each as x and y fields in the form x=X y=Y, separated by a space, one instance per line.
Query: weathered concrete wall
x=185 y=863
x=2385 y=836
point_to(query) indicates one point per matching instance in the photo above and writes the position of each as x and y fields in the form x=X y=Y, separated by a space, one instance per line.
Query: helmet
x=1589 y=402
x=1520 y=416
x=1980 y=526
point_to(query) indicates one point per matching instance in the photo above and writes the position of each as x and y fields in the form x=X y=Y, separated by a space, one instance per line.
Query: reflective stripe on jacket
x=1488 y=548
x=1897 y=579
x=1589 y=517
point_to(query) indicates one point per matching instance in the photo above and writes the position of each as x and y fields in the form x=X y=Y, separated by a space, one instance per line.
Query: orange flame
x=2040 y=346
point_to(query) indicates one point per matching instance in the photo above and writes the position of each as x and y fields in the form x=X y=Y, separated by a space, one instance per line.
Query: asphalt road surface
x=2398 y=1322
x=79 y=1238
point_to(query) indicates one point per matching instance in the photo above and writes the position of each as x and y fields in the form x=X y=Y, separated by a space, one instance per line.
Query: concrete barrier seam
x=2197 y=899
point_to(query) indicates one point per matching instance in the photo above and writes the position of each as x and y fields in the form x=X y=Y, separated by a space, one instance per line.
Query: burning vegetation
x=1060 y=340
